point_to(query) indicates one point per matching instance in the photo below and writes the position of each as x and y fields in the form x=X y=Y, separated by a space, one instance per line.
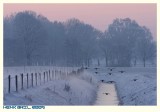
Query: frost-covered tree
x=125 y=41
x=121 y=38
x=30 y=32
x=146 y=46
x=81 y=40
x=105 y=45
x=54 y=50
x=31 y=39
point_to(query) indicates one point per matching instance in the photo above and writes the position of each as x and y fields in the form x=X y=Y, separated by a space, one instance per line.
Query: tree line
x=31 y=39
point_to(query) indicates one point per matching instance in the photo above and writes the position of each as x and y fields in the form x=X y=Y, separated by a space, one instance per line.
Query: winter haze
x=80 y=54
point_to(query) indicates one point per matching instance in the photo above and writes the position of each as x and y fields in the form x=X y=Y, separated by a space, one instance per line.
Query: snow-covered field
x=135 y=86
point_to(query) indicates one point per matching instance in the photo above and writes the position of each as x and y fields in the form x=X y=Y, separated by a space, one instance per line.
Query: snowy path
x=107 y=95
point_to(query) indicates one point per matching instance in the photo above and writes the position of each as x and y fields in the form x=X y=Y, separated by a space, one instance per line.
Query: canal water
x=107 y=95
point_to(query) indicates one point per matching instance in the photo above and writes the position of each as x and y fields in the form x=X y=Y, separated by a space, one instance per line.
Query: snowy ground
x=136 y=86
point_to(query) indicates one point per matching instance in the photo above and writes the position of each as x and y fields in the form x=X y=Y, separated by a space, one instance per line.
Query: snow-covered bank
x=75 y=90
x=135 y=86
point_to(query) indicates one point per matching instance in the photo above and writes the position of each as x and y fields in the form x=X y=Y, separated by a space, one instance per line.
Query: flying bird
x=111 y=69
x=134 y=79
x=96 y=68
x=106 y=93
x=110 y=81
x=110 y=73
x=121 y=71
x=102 y=80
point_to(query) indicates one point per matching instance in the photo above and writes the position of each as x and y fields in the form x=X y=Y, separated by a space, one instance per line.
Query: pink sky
x=98 y=15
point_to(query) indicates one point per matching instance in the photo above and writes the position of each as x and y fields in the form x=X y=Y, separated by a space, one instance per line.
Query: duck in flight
x=106 y=93
x=110 y=73
x=111 y=69
x=96 y=68
x=121 y=71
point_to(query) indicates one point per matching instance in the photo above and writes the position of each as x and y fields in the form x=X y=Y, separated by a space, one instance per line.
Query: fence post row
x=50 y=75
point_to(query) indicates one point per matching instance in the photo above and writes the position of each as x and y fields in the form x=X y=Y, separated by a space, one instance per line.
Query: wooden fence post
x=47 y=75
x=44 y=77
x=22 y=80
x=9 y=83
x=36 y=78
x=60 y=74
x=32 y=78
x=16 y=81
x=27 y=80
x=40 y=78
x=55 y=75
x=52 y=75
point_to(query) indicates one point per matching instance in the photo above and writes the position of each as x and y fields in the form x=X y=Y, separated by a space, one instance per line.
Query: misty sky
x=98 y=15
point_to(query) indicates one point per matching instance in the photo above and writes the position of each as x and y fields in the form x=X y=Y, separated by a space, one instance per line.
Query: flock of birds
x=109 y=73
x=110 y=69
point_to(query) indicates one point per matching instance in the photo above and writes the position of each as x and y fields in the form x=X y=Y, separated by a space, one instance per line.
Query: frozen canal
x=107 y=95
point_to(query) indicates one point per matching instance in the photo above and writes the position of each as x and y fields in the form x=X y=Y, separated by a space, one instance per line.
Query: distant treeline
x=31 y=39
